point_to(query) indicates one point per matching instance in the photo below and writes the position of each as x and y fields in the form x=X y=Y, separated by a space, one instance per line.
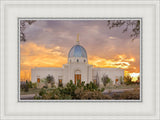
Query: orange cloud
x=122 y=61
x=33 y=55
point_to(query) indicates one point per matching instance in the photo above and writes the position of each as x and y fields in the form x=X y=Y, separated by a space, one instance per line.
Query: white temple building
x=77 y=68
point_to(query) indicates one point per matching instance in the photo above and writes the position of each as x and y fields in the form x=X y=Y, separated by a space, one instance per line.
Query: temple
x=77 y=68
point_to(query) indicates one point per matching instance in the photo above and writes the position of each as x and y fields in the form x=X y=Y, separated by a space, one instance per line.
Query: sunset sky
x=49 y=41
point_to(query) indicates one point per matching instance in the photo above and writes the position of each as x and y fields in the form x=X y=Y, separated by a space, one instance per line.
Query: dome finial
x=77 y=38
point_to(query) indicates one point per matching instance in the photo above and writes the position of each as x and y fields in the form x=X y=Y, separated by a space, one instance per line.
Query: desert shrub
x=128 y=80
x=42 y=92
x=70 y=88
x=105 y=80
x=91 y=86
x=94 y=95
x=102 y=89
x=121 y=80
x=78 y=83
x=83 y=83
x=71 y=91
x=46 y=86
x=26 y=88
x=57 y=93
x=30 y=84
x=133 y=94
x=138 y=80
x=34 y=85
x=67 y=97
x=60 y=84
x=78 y=92
x=54 y=86
x=22 y=86
x=50 y=79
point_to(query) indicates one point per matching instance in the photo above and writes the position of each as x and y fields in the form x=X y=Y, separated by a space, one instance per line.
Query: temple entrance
x=38 y=80
x=77 y=76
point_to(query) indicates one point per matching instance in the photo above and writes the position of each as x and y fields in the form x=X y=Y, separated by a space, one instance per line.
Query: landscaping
x=83 y=91
x=30 y=91
x=72 y=91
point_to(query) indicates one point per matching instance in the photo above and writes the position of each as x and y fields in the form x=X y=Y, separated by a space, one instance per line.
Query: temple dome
x=77 y=51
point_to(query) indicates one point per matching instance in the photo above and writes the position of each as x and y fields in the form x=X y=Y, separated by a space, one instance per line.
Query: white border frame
x=4 y=111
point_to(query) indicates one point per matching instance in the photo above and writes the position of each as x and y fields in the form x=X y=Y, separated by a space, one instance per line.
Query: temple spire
x=77 y=38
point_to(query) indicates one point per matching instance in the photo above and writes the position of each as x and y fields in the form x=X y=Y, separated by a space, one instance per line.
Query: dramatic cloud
x=49 y=41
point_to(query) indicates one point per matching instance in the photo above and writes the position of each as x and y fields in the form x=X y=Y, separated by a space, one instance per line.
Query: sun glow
x=39 y=56
x=122 y=61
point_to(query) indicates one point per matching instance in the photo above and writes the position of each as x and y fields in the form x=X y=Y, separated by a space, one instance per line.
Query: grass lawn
x=31 y=91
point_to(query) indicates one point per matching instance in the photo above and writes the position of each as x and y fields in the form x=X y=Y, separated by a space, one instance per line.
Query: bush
x=70 y=88
x=60 y=84
x=71 y=91
x=45 y=86
x=121 y=80
x=91 y=86
x=22 y=86
x=53 y=85
x=84 y=91
x=29 y=84
x=42 y=92
x=78 y=83
x=94 y=95
x=102 y=89
x=34 y=85
x=128 y=80
x=106 y=80
x=134 y=94
x=50 y=79
x=26 y=89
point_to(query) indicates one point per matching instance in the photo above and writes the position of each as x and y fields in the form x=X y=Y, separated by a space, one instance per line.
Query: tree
x=121 y=80
x=133 y=24
x=105 y=80
x=26 y=87
x=128 y=80
x=23 y=24
x=50 y=79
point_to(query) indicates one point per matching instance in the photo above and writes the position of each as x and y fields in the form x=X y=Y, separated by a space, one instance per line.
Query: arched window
x=84 y=60
x=77 y=60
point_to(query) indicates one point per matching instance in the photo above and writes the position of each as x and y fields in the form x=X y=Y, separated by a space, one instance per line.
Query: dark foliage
x=50 y=79
x=23 y=24
x=128 y=80
x=105 y=80
x=26 y=88
x=72 y=91
x=134 y=25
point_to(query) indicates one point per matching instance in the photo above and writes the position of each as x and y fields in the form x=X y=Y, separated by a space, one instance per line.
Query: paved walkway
x=26 y=97
x=116 y=90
